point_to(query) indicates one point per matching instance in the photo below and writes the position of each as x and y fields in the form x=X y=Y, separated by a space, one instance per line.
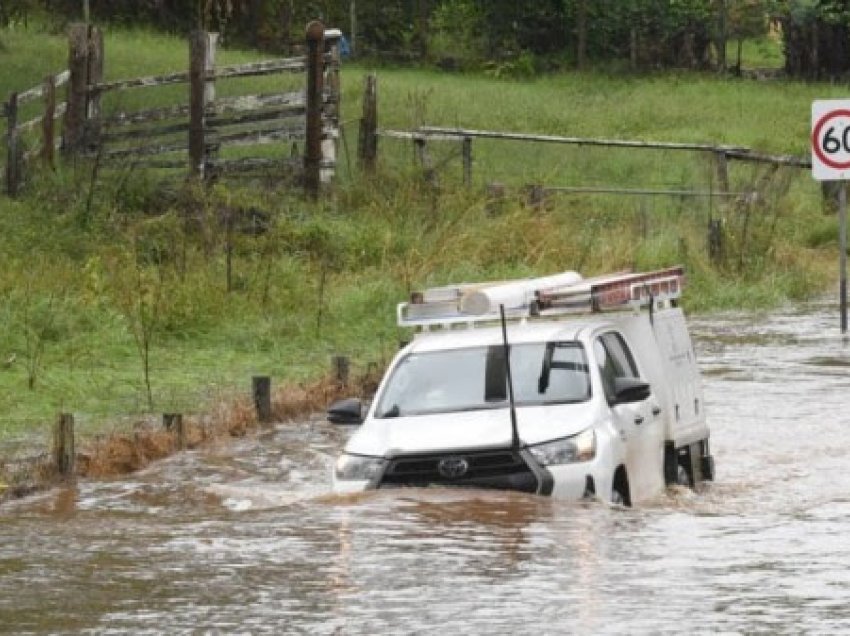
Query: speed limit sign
x=831 y=162
x=831 y=139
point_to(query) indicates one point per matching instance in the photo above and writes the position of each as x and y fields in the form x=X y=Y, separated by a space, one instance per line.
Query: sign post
x=831 y=162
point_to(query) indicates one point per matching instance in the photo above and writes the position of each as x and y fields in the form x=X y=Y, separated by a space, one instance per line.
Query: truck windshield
x=475 y=378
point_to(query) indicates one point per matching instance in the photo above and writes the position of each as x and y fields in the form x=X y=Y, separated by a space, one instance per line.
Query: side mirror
x=348 y=411
x=628 y=390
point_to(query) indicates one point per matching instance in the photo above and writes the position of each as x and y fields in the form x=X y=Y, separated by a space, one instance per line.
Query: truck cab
x=575 y=388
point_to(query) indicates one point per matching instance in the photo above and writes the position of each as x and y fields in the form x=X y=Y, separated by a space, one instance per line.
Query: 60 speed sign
x=831 y=139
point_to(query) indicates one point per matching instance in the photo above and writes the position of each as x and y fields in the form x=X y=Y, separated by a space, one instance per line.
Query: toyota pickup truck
x=565 y=386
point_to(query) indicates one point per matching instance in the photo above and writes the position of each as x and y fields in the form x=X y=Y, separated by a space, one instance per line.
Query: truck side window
x=614 y=360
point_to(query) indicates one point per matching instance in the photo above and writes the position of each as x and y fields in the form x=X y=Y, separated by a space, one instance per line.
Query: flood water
x=247 y=538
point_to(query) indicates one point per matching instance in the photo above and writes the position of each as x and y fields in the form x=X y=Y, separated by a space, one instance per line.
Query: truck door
x=637 y=423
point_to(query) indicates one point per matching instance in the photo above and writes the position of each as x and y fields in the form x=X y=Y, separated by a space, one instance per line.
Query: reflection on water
x=248 y=538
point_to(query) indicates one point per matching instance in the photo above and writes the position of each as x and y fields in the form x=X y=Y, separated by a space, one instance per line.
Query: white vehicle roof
x=518 y=333
x=567 y=293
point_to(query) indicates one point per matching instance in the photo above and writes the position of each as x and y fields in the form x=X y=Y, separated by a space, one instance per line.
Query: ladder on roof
x=560 y=294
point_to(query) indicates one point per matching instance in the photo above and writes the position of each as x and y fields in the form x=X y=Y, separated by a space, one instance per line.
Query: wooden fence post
x=467 y=162
x=429 y=172
x=536 y=194
x=716 y=248
x=173 y=422
x=331 y=109
x=262 y=391
x=63 y=445
x=315 y=76
x=13 y=155
x=210 y=152
x=48 y=125
x=495 y=198
x=201 y=94
x=341 y=370
x=75 y=113
x=829 y=196
x=722 y=167
x=94 y=75
x=368 y=142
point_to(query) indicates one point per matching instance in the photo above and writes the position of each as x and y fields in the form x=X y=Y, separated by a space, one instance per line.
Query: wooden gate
x=288 y=134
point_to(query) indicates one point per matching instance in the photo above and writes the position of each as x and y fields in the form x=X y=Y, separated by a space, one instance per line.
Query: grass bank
x=104 y=278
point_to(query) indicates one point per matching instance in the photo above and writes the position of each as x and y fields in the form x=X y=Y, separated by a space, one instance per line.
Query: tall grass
x=324 y=278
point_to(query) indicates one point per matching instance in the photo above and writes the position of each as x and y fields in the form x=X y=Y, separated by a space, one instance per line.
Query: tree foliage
x=816 y=35
x=644 y=33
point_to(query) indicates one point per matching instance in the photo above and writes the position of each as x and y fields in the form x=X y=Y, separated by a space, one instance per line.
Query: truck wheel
x=620 y=495
x=682 y=477
x=617 y=498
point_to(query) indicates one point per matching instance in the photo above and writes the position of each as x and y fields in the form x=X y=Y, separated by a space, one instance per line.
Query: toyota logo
x=453 y=467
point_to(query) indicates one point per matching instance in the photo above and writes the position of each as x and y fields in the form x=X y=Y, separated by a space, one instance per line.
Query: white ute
x=600 y=396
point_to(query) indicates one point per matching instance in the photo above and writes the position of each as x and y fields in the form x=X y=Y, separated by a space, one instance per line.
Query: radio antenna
x=511 y=402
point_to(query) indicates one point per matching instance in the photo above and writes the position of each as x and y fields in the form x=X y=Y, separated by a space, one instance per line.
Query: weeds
x=148 y=293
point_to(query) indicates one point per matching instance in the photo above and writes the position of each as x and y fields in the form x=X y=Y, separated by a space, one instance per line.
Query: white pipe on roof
x=486 y=300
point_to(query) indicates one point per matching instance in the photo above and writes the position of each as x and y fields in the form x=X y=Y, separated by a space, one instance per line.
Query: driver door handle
x=656 y=410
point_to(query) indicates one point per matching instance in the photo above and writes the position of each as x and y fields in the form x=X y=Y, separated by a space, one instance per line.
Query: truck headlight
x=578 y=448
x=358 y=467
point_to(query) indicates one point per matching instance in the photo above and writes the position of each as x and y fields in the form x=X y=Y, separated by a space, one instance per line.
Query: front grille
x=501 y=469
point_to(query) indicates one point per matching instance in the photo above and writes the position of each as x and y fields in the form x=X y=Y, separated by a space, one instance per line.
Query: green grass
x=764 y=52
x=326 y=278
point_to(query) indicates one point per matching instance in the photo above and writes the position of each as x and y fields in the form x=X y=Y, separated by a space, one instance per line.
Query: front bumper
x=495 y=469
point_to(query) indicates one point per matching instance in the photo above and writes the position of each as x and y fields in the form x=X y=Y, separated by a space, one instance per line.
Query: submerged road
x=247 y=537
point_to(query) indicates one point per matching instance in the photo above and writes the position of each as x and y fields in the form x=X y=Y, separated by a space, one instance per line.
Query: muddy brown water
x=247 y=538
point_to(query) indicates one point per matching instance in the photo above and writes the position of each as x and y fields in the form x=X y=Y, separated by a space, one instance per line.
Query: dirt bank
x=125 y=452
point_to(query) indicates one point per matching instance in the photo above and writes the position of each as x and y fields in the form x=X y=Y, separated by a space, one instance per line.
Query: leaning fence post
x=315 y=73
x=368 y=146
x=262 y=391
x=75 y=113
x=63 y=445
x=13 y=164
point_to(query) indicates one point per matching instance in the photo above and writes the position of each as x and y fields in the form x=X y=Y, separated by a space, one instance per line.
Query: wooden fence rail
x=205 y=124
x=420 y=137
x=16 y=157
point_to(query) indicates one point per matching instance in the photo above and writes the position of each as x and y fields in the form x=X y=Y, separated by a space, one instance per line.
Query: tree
x=816 y=35
x=745 y=19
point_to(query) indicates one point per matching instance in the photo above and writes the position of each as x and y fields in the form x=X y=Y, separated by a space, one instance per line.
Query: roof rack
x=560 y=294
